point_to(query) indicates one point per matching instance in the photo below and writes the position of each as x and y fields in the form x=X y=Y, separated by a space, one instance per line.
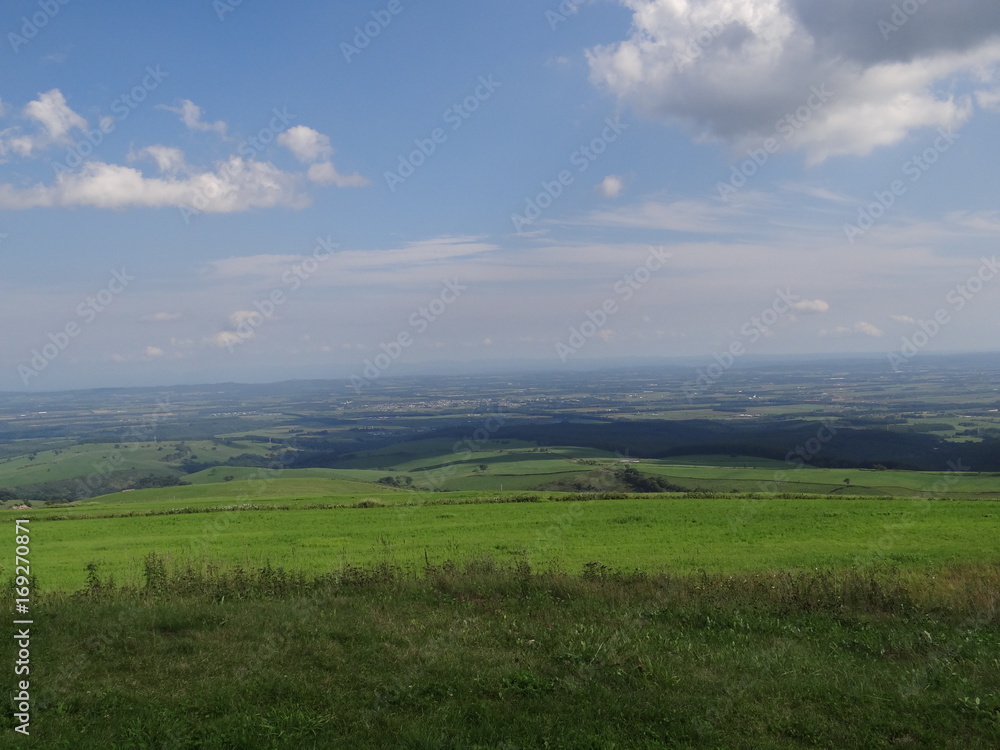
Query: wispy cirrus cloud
x=673 y=215
x=338 y=268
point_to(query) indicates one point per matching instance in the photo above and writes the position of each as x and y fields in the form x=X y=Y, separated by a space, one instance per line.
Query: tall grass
x=958 y=591
x=488 y=654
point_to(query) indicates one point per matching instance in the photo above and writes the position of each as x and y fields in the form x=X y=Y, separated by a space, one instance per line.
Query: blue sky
x=203 y=191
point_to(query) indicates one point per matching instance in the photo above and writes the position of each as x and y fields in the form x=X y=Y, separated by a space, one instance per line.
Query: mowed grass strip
x=261 y=485
x=653 y=534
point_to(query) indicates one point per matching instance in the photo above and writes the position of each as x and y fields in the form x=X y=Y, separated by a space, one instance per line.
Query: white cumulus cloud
x=55 y=118
x=306 y=144
x=227 y=339
x=191 y=116
x=237 y=185
x=325 y=173
x=861 y=328
x=811 y=306
x=167 y=158
x=868 y=329
x=611 y=186
x=312 y=147
x=819 y=77
x=234 y=184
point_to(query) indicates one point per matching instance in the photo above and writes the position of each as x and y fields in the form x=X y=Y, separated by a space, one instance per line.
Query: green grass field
x=655 y=533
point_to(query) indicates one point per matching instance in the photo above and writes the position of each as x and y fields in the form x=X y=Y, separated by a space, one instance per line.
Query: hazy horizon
x=698 y=371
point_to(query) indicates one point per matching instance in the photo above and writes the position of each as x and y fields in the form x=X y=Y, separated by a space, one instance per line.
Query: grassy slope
x=94 y=458
x=430 y=463
x=434 y=464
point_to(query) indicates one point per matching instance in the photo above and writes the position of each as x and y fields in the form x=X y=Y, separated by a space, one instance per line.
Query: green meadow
x=319 y=533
